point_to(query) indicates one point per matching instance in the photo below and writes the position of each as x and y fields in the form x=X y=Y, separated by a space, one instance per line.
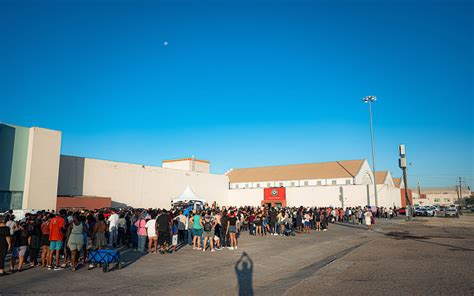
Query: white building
x=337 y=183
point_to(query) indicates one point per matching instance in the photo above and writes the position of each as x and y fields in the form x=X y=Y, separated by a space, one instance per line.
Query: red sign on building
x=277 y=193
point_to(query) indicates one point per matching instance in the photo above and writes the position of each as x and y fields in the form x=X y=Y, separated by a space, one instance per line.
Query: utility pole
x=460 y=191
x=419 y=191
x=369 y=100
x=402 y=162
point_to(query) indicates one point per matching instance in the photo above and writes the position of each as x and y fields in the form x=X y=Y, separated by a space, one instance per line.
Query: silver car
x=452 y=212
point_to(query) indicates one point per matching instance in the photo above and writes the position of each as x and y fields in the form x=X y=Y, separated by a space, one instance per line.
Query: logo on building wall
x=274 y=193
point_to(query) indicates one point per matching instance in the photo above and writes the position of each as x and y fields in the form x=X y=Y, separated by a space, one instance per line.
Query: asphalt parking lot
x=423 y=257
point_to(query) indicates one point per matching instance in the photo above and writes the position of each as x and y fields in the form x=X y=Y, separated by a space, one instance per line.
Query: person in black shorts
x=164 y=226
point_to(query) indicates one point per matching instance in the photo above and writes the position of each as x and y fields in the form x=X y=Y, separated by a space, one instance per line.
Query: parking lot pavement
x=426 y=257
x=394 y=257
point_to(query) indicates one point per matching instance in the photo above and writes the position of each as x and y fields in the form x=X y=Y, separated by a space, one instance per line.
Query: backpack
x=207 y=225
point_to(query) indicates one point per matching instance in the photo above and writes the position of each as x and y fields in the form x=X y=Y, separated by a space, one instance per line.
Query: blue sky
x=246 y=83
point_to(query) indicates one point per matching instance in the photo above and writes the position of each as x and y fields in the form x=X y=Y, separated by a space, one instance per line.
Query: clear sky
x=246 y=83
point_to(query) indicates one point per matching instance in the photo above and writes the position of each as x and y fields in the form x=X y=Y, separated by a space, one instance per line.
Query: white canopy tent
x=188 y=195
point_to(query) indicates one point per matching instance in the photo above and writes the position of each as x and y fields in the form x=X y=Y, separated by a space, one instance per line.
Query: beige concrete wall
x=42 y=169
x=140 y=186
x=245 y=197
x=203 y=167
x=184 y=165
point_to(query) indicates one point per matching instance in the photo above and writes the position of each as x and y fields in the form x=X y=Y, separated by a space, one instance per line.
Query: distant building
x=29 y=166
x=441 y=196
x=335 y=183
x=188 y=164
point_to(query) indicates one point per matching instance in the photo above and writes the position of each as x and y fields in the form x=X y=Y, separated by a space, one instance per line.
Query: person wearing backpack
x=208 y=226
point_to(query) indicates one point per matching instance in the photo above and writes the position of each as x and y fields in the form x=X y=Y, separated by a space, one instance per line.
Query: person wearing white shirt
x=151 y=233
x=113 y=228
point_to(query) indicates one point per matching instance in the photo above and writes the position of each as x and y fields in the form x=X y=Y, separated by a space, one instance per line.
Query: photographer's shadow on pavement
x=244 y=271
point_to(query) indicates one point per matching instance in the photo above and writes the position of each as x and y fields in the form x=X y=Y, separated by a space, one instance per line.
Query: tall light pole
x=369 y=100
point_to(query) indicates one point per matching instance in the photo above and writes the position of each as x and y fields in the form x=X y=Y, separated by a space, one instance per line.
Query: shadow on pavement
x=244 y=271
x=403 y=235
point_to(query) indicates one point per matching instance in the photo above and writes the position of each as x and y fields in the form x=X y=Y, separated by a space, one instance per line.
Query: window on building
x=306 y=183
x=319 y=183
x=269 y=185
x=348 y=182
x=292 y=183
x=237 y=186
x=258 y=185
x=436 y=200
x=281 y=184
x=446 y=199
x=333 y=182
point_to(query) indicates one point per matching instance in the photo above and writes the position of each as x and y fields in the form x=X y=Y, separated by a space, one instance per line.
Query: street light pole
x=369 y=100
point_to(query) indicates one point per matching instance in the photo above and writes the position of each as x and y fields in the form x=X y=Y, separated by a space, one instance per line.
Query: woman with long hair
x=232 y=230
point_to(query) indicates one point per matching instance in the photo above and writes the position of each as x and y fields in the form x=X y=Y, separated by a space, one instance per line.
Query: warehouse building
x=337 y=183
x=29 y=167
x=33 y=175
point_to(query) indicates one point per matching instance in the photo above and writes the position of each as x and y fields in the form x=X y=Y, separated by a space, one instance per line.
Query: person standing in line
x=174 y=235
x=75 y=238
x=56 y=237
x=165 y=225
x=189 y=227
x=5 y=244
x=197 y=231
x=360 y=215
x=368 y=219
x=208 y=224
x=113 y=229
x=21 y=240
x=121 y=225
x=133 y=230
x=273 y=221
x=152 y=235
x=11 y=224
x=223 y=231
x=232 y=230
x=45 y=251
x=141 y=233
x=181 y=219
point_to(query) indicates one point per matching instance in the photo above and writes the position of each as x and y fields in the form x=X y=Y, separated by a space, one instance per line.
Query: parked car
x=403 y=211
x=430 y=211
x=452 y=212
x=420 y=212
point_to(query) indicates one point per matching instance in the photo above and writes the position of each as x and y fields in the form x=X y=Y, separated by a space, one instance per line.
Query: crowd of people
x=56 y=240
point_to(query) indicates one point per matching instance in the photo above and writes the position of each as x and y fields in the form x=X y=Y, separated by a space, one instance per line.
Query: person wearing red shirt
x=56 y=226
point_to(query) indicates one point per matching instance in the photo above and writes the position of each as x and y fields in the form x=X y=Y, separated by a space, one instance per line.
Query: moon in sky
x=165 y=43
